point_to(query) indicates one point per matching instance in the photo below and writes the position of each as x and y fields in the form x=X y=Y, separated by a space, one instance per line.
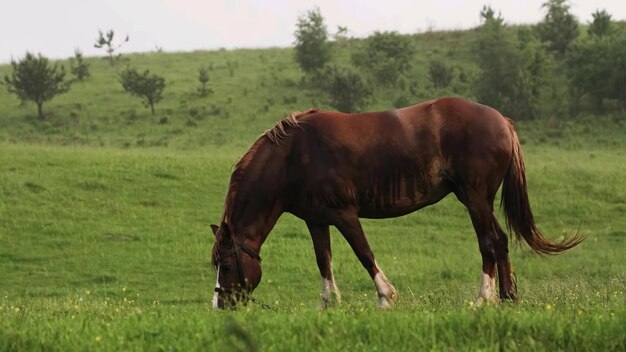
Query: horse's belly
x=373 y=212
x=401 y=205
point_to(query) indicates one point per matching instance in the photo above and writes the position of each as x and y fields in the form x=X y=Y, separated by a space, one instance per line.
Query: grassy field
x=108 y=249
x=105 y=213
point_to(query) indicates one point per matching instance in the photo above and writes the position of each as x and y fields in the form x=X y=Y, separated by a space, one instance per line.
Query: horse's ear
x=214 y=228
x=226 y=236
x=225 y=229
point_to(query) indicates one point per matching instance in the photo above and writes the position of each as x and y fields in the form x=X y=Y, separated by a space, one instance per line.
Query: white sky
x=56 y=27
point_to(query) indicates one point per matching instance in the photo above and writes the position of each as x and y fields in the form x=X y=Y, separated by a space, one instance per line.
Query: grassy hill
x=253 y=88
x=99 y=112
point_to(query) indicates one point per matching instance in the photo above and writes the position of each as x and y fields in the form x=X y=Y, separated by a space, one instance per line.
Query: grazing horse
x=330 y=168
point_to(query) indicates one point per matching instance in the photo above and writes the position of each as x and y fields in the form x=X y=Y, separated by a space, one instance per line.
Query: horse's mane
x=274 y=135
x=279 y=131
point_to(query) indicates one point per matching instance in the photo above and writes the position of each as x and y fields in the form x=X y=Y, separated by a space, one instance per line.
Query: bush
x=79 y=68
x=347 y=90
x=203 y=78
x=386 y=55
x=401 y=102
x=440 y=74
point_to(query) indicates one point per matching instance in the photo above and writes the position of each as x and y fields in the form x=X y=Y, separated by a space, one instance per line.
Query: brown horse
x=330 y=168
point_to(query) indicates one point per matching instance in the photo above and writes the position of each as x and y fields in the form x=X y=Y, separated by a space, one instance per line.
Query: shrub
x=386 y=55
x=203 y=78
x=79 y=68
x=440 y=74
x=347 y=90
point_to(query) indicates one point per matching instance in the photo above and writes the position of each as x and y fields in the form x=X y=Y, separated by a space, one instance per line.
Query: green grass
x=109 y=249
x=105 y=214
x=105 y=325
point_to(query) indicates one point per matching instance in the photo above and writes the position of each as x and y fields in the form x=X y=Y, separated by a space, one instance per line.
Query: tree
x=540 y=87
x=440 y=74
x=513 y=68
x=106 y=42
x=559 y=27
x=311 y=46
x=596 y=68
x=203 y=78
x=386 y=55
x=143 y=85
x=35 y=79
x=78 y=66
x=601 y=24
x=347 y=90
x=488 y=16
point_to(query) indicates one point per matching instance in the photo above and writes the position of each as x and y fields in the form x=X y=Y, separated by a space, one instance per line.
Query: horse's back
x=441 y=127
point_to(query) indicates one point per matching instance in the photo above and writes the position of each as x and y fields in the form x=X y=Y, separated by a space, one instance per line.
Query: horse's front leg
x=320 y=235
x=348 y=224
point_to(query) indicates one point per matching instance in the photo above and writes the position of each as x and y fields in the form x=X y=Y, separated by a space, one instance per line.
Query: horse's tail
x=516 y=205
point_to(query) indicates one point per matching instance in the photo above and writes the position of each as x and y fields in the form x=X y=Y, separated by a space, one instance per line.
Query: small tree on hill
x=78 y=66
x=106 y=42
x=559 y=27
x=311 y=46
x=203 y=78
x=35 y=79
x=347 y=90
x=144 y=85
x=601 y=24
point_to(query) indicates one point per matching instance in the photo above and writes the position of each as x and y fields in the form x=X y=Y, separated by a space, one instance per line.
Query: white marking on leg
x=326 y=287
x=487 y=292
x=387 y=294
x=330 y=292
x=217 y=286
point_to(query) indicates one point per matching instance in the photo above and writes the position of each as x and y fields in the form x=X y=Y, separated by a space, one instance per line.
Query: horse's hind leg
x=320 y=235
x=347 y=222
x=481 y=214
x=508 y=287
x=493 y=245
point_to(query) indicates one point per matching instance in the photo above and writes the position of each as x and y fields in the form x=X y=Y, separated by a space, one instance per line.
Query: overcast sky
x=56 y=27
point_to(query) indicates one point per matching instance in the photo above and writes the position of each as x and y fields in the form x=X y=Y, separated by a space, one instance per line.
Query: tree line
x=35 y=79
x=524 y=71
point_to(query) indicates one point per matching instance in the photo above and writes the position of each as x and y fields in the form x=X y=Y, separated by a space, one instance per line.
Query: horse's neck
x=256 y=205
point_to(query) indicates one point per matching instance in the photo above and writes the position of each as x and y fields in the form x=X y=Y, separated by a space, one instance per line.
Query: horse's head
x=238 y=268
